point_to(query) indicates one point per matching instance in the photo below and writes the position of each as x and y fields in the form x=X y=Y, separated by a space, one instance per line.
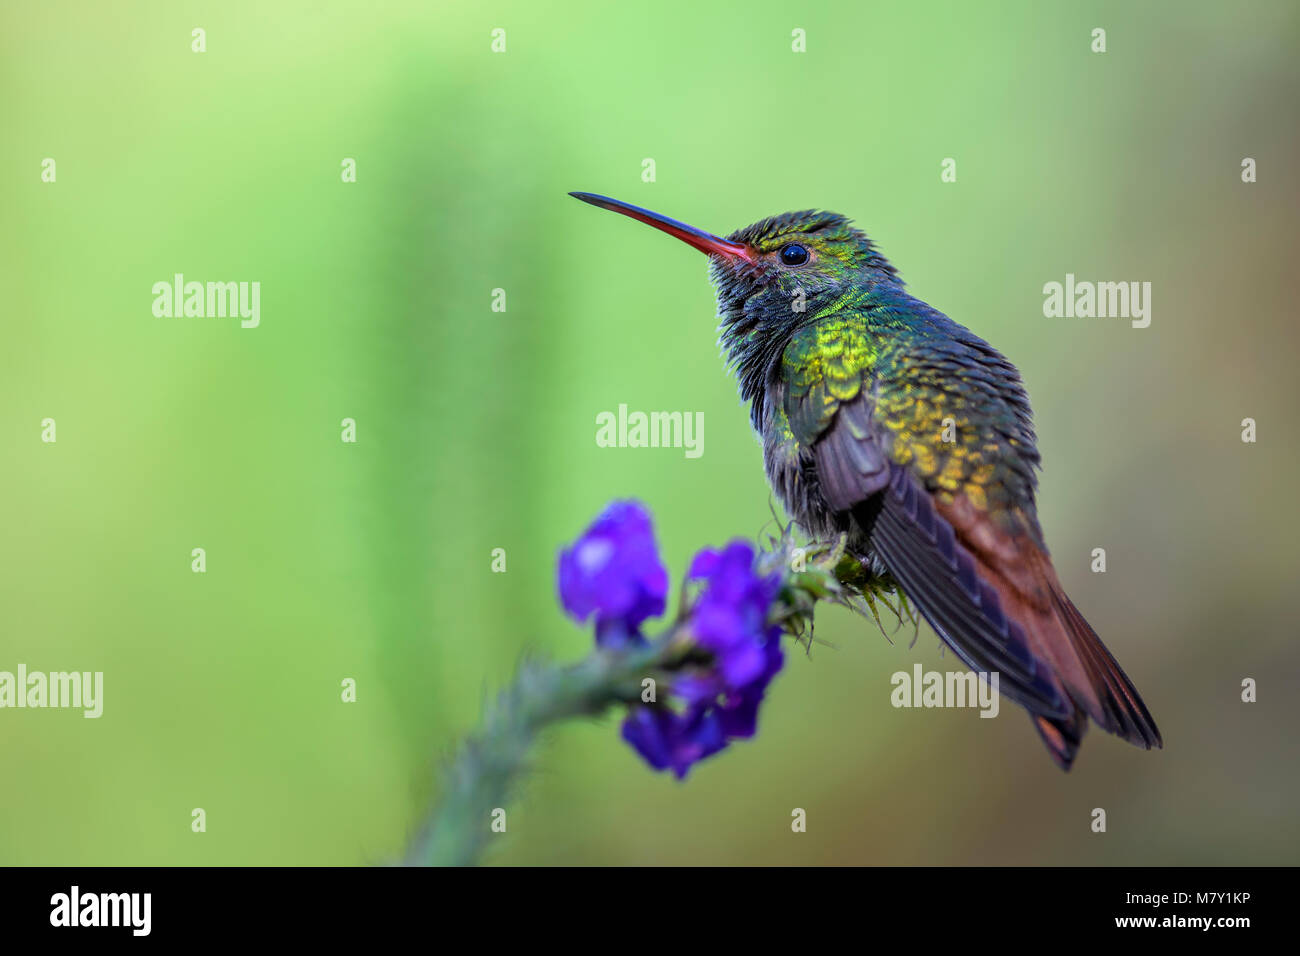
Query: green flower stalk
x=688 y=692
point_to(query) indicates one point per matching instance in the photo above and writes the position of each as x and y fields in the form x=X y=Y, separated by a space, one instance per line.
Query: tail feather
x=1120 y=708
x=989 y=590
x=1091 y=678
x=991 y=593
x=1061 y=736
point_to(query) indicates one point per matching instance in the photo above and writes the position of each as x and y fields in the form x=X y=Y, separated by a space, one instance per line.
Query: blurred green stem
x=480 y=776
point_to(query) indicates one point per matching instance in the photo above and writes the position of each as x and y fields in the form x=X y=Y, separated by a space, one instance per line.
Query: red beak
x=698 y=238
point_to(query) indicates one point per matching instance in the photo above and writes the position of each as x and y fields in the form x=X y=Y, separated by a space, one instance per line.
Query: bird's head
x=772 y=277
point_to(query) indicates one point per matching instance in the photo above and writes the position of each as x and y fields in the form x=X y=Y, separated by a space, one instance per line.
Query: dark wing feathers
x=851 y=465
x=918 y=545
x=939 y=576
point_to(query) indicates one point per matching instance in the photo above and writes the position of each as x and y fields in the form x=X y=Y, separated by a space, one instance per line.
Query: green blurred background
x=476 y=428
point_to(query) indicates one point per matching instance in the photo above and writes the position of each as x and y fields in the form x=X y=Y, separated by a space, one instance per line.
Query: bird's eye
x=794 y=254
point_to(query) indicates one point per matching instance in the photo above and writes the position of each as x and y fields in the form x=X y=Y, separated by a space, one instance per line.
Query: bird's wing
x=838 y=411
x=931 y=448
x=956 y=428
x=829 y=405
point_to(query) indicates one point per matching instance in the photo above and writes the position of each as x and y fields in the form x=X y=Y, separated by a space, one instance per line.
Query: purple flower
x=672 y=741
x=730 y=617
x=614 y=572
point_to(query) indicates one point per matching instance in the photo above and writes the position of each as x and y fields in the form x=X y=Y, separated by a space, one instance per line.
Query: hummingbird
x=885 y=422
